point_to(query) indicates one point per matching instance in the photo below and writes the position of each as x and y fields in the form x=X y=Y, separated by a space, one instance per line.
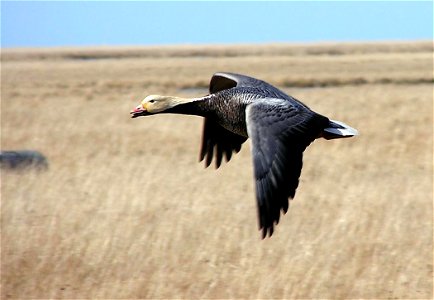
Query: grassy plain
x=125 y=210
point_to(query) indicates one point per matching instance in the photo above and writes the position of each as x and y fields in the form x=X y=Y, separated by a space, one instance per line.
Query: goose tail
x=337 y=130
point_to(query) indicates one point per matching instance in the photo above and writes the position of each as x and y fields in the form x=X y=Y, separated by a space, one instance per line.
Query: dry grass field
x=126 y=211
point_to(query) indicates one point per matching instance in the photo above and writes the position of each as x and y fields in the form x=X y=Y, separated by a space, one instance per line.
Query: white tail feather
x=341 y=130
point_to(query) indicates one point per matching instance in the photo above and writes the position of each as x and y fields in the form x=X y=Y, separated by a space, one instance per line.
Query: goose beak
x=139 y=111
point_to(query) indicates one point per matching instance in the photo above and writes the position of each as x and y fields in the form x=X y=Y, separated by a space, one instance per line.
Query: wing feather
x=224 y=80
x=220 y=142
x=280 y=134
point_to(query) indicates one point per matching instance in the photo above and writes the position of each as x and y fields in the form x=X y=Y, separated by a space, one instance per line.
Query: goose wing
x=219 y=141
x=222 y=81
x=279 y=133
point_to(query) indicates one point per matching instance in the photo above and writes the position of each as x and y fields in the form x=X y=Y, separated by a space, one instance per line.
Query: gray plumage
x=280 y=128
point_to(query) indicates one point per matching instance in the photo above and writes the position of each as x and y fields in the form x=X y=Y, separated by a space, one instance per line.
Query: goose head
x=154 y=104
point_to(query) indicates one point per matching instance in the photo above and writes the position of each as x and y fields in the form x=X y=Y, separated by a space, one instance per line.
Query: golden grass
x=125 y=210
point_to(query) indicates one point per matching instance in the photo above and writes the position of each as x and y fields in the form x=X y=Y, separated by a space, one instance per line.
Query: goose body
x=280 y=128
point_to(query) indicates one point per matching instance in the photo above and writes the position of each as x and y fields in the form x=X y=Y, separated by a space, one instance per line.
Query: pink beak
x=138 y=111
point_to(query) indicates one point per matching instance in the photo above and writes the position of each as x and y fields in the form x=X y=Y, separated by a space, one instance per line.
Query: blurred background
x=121 y=208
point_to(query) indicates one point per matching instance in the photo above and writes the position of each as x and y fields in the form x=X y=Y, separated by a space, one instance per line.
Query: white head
x=154 y=104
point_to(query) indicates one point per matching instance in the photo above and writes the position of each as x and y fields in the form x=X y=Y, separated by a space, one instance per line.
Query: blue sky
x=41 y=24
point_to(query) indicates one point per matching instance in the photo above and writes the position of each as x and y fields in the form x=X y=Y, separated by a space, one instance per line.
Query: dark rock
x=23 y=159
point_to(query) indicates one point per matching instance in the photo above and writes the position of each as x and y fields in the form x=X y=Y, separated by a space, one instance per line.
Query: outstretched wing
x=223 y=81
x=219 y=141
x=279 y=133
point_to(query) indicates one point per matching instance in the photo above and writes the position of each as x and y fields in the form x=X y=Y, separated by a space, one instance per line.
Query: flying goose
x=280 y=128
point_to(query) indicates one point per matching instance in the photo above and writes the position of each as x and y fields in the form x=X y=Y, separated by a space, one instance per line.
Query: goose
x=279 y=126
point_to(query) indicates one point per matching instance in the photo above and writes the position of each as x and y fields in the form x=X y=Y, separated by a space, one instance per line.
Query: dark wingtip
x=207 y=163
x=270 y=231
x=264 y=233
x=208 y=160
x=267 y=231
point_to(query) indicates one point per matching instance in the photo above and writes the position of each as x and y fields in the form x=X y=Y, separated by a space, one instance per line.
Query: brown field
x=126 y=211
